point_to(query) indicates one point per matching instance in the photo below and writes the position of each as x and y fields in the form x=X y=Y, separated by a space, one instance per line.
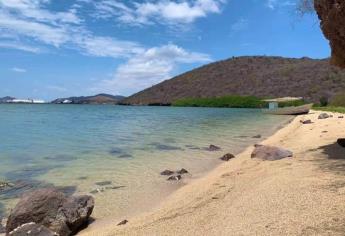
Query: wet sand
x=303 y=195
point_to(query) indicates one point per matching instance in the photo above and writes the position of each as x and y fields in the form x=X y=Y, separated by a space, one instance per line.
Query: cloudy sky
x=58 y=48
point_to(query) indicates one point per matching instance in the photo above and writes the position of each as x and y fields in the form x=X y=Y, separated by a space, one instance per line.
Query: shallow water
x=116 y=152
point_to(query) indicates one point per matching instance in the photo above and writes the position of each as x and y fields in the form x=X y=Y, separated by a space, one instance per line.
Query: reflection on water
x=80 y=146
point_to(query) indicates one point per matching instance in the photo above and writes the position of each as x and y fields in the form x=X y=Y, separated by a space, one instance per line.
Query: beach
x=302 y=195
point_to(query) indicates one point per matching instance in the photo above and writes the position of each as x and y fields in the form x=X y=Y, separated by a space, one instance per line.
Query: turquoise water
x=76 y=146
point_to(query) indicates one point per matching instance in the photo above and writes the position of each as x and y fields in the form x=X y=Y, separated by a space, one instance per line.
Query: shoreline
x=199 y=206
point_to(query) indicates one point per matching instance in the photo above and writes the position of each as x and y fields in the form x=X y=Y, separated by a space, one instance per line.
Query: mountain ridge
x=260 y=76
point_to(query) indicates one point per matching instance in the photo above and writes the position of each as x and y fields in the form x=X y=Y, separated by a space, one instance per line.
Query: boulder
x=52 y=209
x=175 y=178
x=167 y=172
x=341 y=142
x=323 y=116
x=213 y=148
x=182 y=171
x=32 y=229
x=270 y=153
x=341 y=117
x=227 y=157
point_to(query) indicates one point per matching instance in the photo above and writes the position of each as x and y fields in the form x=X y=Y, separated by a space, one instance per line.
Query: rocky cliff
x=332 y=16
x=258 y=76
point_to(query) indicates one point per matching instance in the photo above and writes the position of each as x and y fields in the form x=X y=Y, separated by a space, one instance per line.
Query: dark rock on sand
x=227 y=157
x=175 y=178
x=32 y=229
x=305 y=122
x=182 y=171
x=167 y=172
x=341 y=117
x=257 y=136
x=213 y=148
x=270 y=153
x=103 y=183
x=323 y=116
x=51 y=208
x=341 y=142
x=123 y=222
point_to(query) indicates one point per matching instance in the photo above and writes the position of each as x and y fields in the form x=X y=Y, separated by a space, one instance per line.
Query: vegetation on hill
x=249 y=76
x=227 y=101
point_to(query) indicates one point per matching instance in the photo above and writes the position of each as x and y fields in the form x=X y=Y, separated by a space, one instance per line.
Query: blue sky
x=59 y=48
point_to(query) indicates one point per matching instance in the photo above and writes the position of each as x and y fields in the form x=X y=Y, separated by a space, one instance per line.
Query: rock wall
x=332 y=16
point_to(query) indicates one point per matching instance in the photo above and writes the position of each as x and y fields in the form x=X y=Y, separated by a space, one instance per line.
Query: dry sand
x=303 y=195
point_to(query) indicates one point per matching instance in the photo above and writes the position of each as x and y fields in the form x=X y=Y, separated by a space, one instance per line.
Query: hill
x=6 y=99
x=97 y=99
x=249 y=76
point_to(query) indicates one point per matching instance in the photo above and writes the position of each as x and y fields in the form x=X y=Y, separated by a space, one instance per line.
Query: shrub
x=338 y=100
x=323 y=101
x=226 y=101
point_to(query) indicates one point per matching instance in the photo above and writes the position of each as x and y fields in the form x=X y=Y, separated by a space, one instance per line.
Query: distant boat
x=292 y=110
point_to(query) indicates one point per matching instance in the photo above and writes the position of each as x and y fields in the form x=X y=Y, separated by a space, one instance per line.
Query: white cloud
x=107 y=47
x=148 y=68
x=19 y=46
x=239 y=25
x=18 y=70
x=56 y=88
x=274 y=4
x=25 y=19
x=161 y=11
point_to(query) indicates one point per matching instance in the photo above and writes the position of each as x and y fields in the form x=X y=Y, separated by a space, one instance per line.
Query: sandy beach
x=303 y=195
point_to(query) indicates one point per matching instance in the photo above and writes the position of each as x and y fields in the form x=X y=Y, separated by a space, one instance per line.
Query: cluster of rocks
x=49 y=212
x=174 y=175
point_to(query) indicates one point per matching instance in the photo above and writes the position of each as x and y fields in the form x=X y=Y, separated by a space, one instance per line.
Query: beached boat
x=292 y=110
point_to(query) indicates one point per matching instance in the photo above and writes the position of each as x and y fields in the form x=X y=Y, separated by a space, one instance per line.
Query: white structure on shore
x=26 y=101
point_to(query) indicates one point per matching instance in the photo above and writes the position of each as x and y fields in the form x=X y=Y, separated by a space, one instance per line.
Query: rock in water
x=213 y=148
x=51 y=208
x=175 y=178
x=182 y=171
x=32 y=229
x=323 y=116
x=341 y=142
x=167 y=172
x=270 y=153
x=257 y=136
x=227 y=157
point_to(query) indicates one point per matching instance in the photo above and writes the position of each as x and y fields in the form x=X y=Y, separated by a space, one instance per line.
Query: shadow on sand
x=335 y=158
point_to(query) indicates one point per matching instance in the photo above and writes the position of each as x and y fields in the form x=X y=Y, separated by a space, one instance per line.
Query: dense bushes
x=226 y=101
x=338 y=100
